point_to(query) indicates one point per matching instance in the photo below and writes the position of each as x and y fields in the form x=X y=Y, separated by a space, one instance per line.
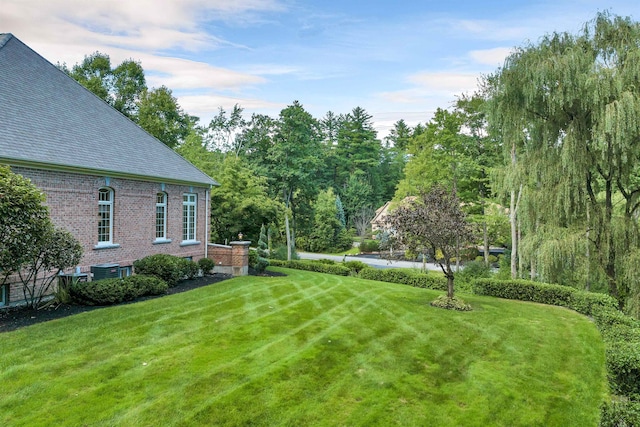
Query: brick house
x=122 y=193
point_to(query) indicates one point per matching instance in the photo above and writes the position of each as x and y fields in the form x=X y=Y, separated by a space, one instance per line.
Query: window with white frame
x=105 y=216
x=189 y=205
x=161 y=216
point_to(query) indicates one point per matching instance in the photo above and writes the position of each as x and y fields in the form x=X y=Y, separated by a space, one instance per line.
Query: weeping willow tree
x=569 y=108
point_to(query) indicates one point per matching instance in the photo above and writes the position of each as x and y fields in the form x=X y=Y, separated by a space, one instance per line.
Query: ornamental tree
x=56 y=251
x=434 y=220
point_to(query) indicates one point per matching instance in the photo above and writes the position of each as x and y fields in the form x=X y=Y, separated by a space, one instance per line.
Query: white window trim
x=163 y=238
x=194 y=205
x=109 y=203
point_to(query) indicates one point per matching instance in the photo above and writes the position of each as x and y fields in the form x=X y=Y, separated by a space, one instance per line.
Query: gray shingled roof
x=47 y=119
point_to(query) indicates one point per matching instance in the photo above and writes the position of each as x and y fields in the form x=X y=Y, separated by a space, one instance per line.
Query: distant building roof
x=48 y=120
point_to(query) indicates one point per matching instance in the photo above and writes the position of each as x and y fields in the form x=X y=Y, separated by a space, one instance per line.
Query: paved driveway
x=371 y=260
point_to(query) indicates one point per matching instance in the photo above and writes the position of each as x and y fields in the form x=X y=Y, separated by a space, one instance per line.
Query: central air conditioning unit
x=105 y=271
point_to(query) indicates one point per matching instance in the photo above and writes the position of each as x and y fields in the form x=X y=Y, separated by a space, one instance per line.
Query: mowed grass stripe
x=222 y=378
x=307 y=349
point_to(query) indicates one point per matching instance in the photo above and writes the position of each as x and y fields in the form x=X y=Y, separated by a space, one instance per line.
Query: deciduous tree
x=433 y=220
x=568 y=107
x=24 y=219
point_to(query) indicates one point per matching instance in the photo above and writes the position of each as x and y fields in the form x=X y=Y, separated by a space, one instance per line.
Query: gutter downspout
x=206 y=223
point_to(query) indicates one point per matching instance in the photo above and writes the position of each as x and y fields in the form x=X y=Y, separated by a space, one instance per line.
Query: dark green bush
x=355 y=266
x=524 y=290
x=257 y=262
x=405 y=277
x=473 y=270
x=169 y=268
x=147 y=285
x=369 y=246
x=113 y=291
x=337 y=269
x=620 y=333
x=325 y=261
x=392 y=275
x=206 y=265
x=623 y=367
x=277 y=262
x=588 y=302
x=189 y=269
x=620 y=413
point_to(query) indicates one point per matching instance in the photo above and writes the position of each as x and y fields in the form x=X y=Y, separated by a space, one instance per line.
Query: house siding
x=73 y=204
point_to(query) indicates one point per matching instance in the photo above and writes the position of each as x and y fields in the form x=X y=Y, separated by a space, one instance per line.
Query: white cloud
x=494 y=57
x=177 y=73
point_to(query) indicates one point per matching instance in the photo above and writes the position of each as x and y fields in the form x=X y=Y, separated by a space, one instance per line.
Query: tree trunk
x=514 y=236
x=449 y=281
x=587 y=285
x=485 y=233
x=457 y=254
x=610 y=268
x=520 y=258
x=288 y=235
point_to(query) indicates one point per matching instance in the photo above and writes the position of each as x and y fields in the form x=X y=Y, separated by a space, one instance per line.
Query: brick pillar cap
x=240 y=243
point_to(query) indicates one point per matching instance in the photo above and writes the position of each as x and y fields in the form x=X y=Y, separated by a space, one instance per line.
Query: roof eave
x=113 y=174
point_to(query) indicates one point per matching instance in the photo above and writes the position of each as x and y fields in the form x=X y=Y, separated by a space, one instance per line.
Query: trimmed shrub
x=355 y=266
x=337 y=269
x=189 y=269
x=325 y=261
x=206 y=265
x=589 y=302
x=623 y=367
x=620 y=333
x=147 y=285
x=405 y=277
x=620 y=413
x=471 y=271
x=524 y=290
x=369 y=246
x=169 y=268
x=257 y=262
x=113 y=291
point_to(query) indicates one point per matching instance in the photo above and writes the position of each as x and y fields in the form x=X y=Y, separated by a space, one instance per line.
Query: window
x=3 y=295
x=189 y=205
x=105 y=216
x=161 y=216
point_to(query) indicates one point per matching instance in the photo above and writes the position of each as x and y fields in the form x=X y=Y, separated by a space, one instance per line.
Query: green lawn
x=307 y=349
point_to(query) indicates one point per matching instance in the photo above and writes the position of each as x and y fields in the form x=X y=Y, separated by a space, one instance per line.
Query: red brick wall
x=73 y=205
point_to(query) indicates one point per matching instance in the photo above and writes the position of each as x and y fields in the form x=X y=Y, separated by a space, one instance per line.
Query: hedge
x=405 y=277
x=117 y=290
x=169 y=268
x=337 y=269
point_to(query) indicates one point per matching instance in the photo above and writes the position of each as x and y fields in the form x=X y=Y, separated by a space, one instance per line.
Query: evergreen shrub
x=355 y=266
x=369 y=246
x=116 y=290
x=406 y=277
x=337 y=269
x=169 y=268
x=206 y=265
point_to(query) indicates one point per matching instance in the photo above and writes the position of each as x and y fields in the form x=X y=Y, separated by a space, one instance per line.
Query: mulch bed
x=13 y=318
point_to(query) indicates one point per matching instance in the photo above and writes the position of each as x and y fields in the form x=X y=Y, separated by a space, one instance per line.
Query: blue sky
x=396 y=59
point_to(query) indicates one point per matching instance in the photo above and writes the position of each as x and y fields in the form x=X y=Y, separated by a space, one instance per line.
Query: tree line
x=544 y=158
